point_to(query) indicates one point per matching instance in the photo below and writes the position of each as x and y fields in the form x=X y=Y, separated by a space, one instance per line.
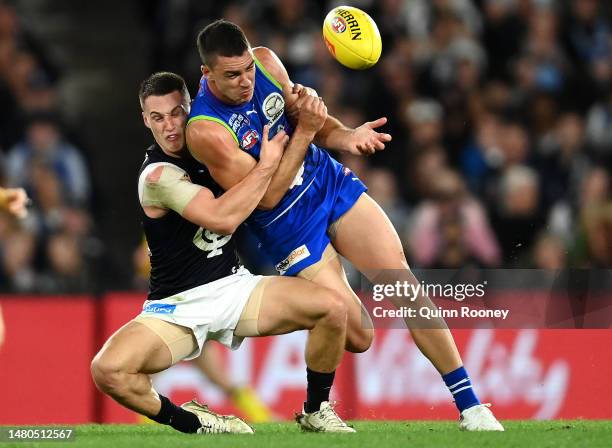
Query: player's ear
x=145 y=118
x=205 y=70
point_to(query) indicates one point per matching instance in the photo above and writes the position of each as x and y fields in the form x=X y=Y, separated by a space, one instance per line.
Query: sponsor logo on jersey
x=250 y=139
x=299 y=254
x=236 y=121
x=159 y=308
x=338 y=25
x=273 y=107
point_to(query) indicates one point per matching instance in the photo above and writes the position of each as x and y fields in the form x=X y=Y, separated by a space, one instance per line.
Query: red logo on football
x=330 y=46
x=338 y=25
x=250 y=139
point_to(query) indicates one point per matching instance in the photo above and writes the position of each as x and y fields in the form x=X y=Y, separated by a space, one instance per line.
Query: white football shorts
x=211 y=311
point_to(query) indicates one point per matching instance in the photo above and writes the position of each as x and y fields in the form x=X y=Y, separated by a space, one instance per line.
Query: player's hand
x=365 y=140
x=15 y=200
x=272 y=150
x=312 y=113
x=300 y=90
x=295 y=101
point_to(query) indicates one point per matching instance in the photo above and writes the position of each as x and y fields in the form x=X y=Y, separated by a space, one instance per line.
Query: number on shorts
x=210 y=242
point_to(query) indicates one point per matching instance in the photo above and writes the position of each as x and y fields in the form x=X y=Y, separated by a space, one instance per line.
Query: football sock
x=177 y=417
x=317 y=391
x=459 y=384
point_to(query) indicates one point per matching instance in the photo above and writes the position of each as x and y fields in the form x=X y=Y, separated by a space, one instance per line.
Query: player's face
x=232 y=78
x=166 y=116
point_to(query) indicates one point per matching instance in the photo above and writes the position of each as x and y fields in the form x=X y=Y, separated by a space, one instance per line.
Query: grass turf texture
x=557 y=434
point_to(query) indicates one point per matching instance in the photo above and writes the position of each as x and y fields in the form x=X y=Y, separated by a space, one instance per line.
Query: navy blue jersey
x=183 y=254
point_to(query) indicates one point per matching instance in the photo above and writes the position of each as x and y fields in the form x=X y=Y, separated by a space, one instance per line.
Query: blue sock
x=459 y=384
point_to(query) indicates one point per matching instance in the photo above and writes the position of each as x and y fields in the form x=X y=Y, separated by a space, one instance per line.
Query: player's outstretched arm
x=333 y=134
x=168 y=188
x=363 y=140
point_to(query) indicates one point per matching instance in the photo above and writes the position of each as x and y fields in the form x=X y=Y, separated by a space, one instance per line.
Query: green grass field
x=557 y=434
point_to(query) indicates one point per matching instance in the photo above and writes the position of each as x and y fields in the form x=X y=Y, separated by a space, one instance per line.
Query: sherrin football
x=352 y=37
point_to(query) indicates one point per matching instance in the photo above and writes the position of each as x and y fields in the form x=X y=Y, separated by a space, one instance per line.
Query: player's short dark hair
x=221 y=38
x=162 y=83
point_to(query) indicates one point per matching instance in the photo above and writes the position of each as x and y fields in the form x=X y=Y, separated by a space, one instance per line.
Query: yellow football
x=352 y=37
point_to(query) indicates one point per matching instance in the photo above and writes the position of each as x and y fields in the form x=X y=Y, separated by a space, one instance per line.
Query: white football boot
x=323 y=420
x=213 y=423
x=479 y=418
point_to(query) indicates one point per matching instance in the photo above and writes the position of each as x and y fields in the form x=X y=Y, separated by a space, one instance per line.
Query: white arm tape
x=173 y=190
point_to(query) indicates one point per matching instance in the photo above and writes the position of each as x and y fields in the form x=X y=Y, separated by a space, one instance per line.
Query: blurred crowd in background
x=500 y=111
x=47 y=252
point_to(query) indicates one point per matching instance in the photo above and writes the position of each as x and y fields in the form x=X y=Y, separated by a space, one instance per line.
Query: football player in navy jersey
x=198 y=289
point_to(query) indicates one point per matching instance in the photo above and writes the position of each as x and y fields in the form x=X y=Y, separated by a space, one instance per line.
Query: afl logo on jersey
x=338 y=25
x=273 y=107
x=250 y=139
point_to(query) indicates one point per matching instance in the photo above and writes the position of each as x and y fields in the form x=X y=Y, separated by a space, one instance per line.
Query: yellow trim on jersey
x=216 y=120
x=267 y=73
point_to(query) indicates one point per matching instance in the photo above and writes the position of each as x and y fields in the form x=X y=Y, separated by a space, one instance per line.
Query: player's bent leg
x=286 y=304
x=121 y=368
x=329 y=272
x=147 y=345
x=290 y=304
x=366 y=237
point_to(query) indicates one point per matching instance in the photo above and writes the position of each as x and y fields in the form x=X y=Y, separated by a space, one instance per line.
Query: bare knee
x=109 y=376
x=336 y=311
x=359 y=340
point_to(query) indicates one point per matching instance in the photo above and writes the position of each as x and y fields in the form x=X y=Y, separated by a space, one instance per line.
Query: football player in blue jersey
x=314 y=207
